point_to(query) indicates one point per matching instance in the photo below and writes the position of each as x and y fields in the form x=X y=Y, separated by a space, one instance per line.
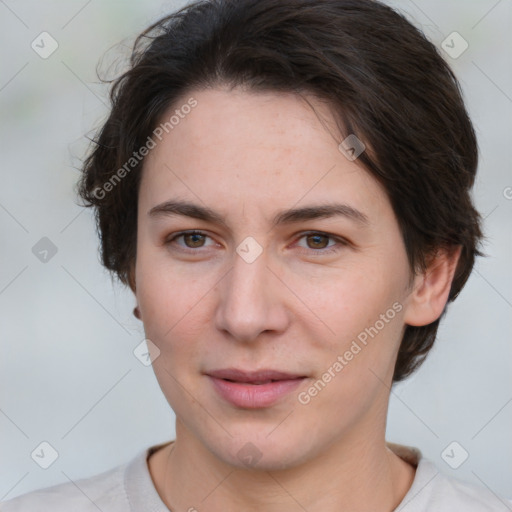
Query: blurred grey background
x=68 y=373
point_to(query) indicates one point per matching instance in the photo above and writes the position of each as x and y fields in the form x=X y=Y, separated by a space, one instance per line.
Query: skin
x=295 y=308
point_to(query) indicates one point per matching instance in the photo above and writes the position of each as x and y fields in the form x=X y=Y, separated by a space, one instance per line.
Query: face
x=259 y=287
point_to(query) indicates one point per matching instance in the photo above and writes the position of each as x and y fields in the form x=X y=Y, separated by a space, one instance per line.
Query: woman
x=285 y=187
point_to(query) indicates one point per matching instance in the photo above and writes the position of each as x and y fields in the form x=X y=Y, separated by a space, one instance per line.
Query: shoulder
x=434 y=490
x=128 y=486
x=481 y=496
x=104 y=491
x=455 y=492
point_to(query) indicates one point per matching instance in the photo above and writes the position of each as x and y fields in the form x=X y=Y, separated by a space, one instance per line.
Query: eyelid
x=341 y=242
x=179 y=234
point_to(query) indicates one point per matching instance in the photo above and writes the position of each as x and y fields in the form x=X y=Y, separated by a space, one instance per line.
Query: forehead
x=268 y=145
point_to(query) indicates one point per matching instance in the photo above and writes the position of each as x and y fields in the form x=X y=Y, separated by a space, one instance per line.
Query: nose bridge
x=248 y=303
x=247 y=282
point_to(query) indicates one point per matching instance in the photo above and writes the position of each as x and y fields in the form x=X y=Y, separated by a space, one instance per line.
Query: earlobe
x=432 y=287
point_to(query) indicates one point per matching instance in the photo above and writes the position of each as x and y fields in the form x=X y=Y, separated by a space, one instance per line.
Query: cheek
x=362 y=306
x=358 y=367
x=174 y=325
x=162 y=298
x=351 y=297
x=176 y=311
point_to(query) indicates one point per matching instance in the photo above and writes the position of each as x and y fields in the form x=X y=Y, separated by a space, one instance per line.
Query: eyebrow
x=294 y=215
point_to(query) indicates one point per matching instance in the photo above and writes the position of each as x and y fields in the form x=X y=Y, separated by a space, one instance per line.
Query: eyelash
x=331 y=250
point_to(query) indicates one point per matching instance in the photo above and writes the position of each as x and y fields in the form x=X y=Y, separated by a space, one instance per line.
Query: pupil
x=194 y=235
x=317 y=237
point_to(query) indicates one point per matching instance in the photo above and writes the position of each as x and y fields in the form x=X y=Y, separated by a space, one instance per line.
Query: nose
x=252 y=300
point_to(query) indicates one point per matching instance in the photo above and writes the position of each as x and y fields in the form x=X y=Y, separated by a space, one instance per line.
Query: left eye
x=317 y=239
x=195 y=240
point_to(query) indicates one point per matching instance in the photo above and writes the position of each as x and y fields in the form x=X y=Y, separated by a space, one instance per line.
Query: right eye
x=193 y=240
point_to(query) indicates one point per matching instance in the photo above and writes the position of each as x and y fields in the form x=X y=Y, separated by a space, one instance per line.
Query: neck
x=352 y=474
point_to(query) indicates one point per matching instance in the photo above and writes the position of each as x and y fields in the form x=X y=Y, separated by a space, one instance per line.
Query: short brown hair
x=385 y=83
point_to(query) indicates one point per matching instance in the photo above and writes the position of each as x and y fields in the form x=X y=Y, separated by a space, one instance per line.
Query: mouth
x=252 y=390
x=257 y=377
x=257 y=383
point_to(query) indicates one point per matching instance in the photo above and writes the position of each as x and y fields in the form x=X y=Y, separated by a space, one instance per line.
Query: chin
x=259 y=451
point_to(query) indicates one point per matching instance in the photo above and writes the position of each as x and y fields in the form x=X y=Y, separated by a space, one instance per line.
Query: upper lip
x=252 y=376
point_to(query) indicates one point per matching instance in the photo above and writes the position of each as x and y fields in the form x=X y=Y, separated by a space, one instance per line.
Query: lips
x=253 y=377
x=253 y=389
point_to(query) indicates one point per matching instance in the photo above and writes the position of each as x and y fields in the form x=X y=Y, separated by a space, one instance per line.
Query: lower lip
x=253 y=396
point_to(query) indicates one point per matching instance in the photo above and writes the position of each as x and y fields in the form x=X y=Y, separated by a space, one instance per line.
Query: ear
x=131 y=284
x=431 y=288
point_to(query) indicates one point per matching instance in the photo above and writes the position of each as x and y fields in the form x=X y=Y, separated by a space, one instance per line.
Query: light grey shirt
x=129 y=488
